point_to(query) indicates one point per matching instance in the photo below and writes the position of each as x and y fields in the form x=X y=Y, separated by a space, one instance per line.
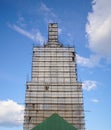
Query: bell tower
x=54 y=87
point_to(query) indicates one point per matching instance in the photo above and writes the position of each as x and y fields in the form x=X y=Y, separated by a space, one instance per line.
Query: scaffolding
x=54 y=87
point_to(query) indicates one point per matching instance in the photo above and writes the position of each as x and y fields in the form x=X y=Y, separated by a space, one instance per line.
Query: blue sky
x=84 y=24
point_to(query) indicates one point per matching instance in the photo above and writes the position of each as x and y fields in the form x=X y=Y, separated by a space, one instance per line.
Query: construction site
x=54 y=86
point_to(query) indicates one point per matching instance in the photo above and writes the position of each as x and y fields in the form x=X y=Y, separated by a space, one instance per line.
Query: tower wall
x=54 y=87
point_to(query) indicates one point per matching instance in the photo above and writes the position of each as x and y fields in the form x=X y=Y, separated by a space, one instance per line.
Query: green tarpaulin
x=54 y=122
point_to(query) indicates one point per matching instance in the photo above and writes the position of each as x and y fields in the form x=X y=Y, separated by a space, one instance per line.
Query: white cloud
x=89 y=85
x=98 y=28
x=95 y=100
x=21 y=31
x=88 y=62
x=48 y=13
x=39 y=38
x=21 y=21
x=46 y=10
x=11 y=113
x=35 y=36
x=59 y=30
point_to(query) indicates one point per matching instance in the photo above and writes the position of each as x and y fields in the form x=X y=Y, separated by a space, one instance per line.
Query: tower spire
x=53 y=36
x=53 y=32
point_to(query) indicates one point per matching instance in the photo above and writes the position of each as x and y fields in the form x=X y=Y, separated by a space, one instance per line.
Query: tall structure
x=54 y=87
